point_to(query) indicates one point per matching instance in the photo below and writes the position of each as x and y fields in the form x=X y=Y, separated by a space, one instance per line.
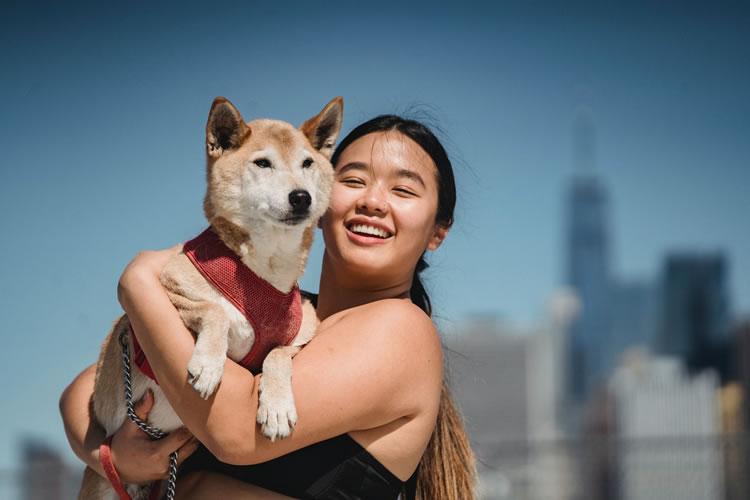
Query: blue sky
x=104 y=107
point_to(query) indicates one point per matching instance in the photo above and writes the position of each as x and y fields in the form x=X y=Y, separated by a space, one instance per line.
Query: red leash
x=105 y=458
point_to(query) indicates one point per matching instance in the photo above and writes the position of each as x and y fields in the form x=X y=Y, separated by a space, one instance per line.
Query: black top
x=338 y=468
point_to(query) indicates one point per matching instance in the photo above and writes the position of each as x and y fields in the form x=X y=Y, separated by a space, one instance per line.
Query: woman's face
x=383 y=206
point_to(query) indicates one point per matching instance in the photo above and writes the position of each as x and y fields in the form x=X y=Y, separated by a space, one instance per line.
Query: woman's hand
x=140 y=459
x=136 y=456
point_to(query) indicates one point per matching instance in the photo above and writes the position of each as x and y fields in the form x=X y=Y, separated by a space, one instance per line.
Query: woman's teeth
x=369 y=230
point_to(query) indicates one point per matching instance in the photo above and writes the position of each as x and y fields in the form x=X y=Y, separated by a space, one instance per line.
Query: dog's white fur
x=248 y=205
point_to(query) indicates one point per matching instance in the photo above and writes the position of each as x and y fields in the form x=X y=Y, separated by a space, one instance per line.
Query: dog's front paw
x=205 y=373
x=277 y=413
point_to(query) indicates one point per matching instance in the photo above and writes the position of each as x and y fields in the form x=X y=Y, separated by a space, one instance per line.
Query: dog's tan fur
x=246 y=213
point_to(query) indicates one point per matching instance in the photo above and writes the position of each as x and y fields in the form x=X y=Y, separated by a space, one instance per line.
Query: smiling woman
x=375 y=418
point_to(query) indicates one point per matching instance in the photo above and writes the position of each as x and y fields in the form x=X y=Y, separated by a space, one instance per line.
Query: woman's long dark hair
x=447 y=469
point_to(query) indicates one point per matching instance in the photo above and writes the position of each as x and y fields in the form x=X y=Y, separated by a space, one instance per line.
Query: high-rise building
x=635 y=309
x=742 y=340
x=507 y=382
x=587 y=266
x=668 y=429
x=742 y=443
x=694 y=324
x=44 y=474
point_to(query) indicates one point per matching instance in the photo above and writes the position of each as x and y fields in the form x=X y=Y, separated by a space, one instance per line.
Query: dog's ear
x=323 y=130
x=225 y=129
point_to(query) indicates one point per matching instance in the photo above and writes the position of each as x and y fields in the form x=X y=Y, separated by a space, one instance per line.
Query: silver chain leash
x=144 y=426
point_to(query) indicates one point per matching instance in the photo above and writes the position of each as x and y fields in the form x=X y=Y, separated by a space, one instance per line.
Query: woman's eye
x=307 y=163
x=263 y=163
x=353 y=181
x=405 y=191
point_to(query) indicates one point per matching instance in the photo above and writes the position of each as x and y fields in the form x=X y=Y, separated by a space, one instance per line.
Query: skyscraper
x=668 y=426
x=587 y=265
x=695 y=310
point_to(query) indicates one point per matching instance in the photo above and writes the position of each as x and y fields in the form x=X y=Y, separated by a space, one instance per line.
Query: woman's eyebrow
x=411 y=174
x=355 y=165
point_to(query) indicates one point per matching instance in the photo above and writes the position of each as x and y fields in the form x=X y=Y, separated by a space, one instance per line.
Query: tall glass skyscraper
x=588 y=265
x=588 y=273
x=695 y=309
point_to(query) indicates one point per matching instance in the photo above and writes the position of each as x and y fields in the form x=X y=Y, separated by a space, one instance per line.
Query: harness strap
x=275 y=316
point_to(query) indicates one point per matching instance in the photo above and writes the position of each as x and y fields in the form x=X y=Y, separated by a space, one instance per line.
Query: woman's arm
x=138 y=458
x=359 y=373
x=83 y=434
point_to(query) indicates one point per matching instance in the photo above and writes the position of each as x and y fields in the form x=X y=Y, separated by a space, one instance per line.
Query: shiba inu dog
x=268 y=184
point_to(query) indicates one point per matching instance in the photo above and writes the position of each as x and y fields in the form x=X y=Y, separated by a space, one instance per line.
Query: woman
x=369 y=388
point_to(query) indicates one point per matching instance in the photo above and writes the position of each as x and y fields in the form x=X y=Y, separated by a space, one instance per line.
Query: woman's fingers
x=187 y=449
x=143 y=407
x=173 y=441
x=181 y=441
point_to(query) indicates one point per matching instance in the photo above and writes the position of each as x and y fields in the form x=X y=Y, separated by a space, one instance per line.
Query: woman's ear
x=441 y=231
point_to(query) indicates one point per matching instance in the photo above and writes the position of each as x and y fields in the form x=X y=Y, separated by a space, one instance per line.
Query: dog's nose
x=300 y=200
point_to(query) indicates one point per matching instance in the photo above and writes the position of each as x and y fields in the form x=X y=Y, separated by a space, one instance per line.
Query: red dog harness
x=275 y=316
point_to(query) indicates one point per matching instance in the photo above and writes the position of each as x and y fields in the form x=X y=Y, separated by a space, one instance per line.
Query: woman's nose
x=373 y=199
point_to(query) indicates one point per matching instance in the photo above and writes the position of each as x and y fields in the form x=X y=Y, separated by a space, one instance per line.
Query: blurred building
x=44 y=475
x=616 y=314
x=694 y=324
x=588 y=274
x=733 y=442
x=635 y=313
x=668 y=429
x=509 y=383
x=597 y=450
x=742 y=339
x=740 y=473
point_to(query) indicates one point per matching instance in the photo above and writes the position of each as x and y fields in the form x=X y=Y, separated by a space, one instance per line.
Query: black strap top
x=338 y=468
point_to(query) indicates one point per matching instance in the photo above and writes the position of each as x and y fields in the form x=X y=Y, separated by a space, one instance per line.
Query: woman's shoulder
x=397 y=312
x=394 y=325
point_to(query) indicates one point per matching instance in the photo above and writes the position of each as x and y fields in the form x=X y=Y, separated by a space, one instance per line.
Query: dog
x=268 y=183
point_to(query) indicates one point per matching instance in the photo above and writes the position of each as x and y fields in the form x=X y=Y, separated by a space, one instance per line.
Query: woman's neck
x=336 y=294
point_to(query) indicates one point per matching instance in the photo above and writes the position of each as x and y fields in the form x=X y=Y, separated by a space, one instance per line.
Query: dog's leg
x=276 y=411
x=208 y=320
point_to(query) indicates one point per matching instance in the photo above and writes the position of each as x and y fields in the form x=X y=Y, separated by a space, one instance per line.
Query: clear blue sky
x=103 y=110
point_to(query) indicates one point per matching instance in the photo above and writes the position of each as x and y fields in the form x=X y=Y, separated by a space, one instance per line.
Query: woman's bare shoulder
x=393 y=323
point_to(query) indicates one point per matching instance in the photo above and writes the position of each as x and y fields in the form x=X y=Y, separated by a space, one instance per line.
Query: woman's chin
x=366 y=265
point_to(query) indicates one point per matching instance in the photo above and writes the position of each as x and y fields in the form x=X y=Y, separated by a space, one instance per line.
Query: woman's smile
x=364 y=231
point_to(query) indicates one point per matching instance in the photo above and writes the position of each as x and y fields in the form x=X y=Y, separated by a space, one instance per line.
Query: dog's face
x=268 y=171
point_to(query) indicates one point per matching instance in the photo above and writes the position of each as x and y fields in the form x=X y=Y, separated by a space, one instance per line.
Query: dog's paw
x=205 y=373
x=277 y=414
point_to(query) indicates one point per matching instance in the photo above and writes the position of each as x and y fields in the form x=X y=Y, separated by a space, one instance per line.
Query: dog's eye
x=307 y=163
x=263 y=163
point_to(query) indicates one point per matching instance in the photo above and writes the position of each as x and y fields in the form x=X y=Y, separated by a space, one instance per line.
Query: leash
x=144 y=426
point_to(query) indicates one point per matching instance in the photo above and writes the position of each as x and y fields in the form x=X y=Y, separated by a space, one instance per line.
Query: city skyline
x=104 y=112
